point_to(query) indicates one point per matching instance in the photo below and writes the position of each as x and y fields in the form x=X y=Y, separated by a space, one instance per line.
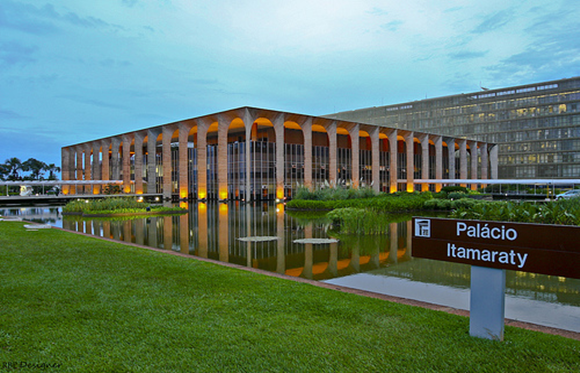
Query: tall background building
x=536 y=126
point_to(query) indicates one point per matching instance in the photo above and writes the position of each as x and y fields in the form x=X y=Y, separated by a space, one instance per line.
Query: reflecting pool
x=264 y=236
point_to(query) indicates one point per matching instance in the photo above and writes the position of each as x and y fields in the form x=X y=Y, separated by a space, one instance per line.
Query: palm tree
x=52 y=169
x=4 y=171
x=35 y=167
x=13 y=166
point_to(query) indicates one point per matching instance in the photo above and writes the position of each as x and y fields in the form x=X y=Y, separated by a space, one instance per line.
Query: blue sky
x=73 y=71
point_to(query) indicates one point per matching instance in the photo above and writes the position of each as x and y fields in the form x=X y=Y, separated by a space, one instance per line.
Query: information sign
x=491 y=247
x=537 y=248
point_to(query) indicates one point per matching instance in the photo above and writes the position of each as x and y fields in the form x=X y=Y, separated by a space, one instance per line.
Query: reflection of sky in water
x=42 y=214
x=517 y=307
x=388 y=267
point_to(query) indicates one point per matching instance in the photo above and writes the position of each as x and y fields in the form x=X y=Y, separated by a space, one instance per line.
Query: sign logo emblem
x=423 y=228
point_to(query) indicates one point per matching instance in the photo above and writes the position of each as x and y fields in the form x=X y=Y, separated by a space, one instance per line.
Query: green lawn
x=96 y=306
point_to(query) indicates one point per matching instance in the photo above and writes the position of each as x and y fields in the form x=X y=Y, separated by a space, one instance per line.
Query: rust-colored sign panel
x=537 y=248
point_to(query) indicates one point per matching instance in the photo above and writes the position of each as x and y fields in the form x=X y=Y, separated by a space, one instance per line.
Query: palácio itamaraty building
x=250 y=153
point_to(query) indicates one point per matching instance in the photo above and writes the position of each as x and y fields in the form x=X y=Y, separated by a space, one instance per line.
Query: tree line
x=32 y=169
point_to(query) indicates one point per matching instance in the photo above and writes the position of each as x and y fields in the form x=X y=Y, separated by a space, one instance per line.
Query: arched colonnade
x=278 y=151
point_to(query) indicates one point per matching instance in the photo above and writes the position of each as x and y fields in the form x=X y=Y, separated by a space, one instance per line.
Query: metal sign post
x=487 y=303
x=491 y=247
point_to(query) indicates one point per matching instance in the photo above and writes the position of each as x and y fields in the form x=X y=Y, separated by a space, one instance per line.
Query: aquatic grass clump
x=105 y=204
x=117 y=206
x=359 y=221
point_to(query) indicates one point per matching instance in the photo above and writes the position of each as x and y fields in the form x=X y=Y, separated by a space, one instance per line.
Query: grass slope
x=96 y=306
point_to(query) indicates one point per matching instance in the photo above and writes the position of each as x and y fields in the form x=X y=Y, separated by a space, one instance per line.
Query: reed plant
x=359 y=221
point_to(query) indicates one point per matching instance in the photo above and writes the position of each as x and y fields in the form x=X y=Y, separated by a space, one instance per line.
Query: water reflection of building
x=251 y=153
x=212 y=230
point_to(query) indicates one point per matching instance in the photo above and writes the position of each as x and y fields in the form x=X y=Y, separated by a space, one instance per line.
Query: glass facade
x=537 y=127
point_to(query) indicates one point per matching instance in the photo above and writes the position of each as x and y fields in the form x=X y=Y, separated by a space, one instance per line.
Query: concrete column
x=484 y=163
x=79 y=169
x=222 y=161
x=105 y=166
x=393 y=164
x=79 y=164
x=307 y=131
x=97 y=174
x=94 y=162
x=249 y=123
x=451 y=154
x=65 y=168
x=139 y=137
x=354 y=133
x=184 y=129
x=493 y=161
x=462 y=160
x=474 y=161
x=87 y=155
x=376 y=161
x=115 y=157
x=279 y=130
x=424 y=161
x=332 y=164
x=409 y=145
x=167 y=133
x=151 y=161
x=126 y=164
x=438 y=161
x=202 y=127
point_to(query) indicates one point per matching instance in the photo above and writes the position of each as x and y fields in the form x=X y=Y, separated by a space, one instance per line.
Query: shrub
x=457 y=195
x=438 y=204
x=454 y=188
